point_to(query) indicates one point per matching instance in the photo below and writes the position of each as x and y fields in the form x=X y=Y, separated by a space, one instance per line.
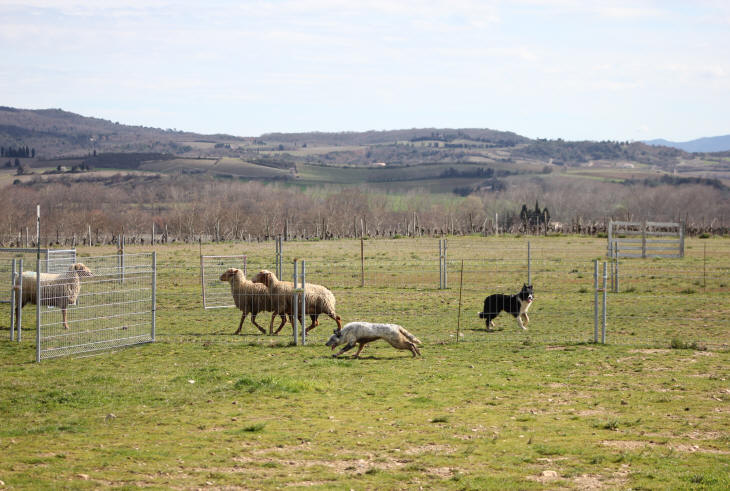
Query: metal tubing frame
x=605 y=298
x=202 y=278
x=38 y=309
x=595 y=301
x=446 y=269
x=19 y=303
x=12 y=301
x=304 y=304
x=154 y=294
x=295 y=310
x=441 y=268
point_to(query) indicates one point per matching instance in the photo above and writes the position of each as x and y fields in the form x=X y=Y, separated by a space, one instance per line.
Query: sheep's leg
x=283 y=321
x=65 y=322
x=314 y=323
x=271 y=323
x=240 y=324
x=338 y=320
x=253 y=320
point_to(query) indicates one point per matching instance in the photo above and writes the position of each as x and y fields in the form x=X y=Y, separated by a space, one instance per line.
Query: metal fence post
x=154 y=293
x=610 y=238
x=19 y=302
x=13 y=284
x=304 y=304
x=441 y=268
x=202 y=279
x=605 y=296
x=616 y=286
x=529 y=265
x=595 y=300
x=446 y=269
x=362 y=262
x=295 y=312
x=38 y=301
x=681 y=239
x=279 y=264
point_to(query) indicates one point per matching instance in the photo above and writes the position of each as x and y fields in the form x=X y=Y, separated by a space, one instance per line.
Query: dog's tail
x=413 y=339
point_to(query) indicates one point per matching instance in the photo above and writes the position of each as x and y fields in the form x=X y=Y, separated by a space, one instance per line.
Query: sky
x=571 y=69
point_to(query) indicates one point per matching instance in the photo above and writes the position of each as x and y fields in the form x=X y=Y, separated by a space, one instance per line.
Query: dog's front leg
x=519 y=322
x=526 y=318
x=348 y=347
x=359 y=349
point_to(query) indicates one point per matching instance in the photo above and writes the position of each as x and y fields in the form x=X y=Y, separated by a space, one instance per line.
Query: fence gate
x=216 y=293
x=114 y=308
x=645 y=239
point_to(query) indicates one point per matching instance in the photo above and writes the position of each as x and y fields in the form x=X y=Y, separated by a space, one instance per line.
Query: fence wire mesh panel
x=217 y=294
x=105 y=306
x=660 y=300
x=671 y=302
x=7 y=272
x=59 y=260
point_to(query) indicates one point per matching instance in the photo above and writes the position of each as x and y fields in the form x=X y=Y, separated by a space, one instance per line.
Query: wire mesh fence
x=217 y=294
x=660 y=302
x=96 y=306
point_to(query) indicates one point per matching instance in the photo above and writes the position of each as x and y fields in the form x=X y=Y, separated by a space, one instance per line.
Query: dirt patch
x=677 y=447
x=547 y=476
x=650 y=350
x=442 y=472
x=627 y=444
x=617 y=480
x=684 y=447
x=429 y=448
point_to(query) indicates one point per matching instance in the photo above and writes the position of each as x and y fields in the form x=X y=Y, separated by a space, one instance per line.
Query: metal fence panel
x=114 y=308
x=59 y=260
x=217 y=294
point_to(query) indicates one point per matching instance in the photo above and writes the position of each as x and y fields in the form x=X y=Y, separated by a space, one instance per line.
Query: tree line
x=20 y=152
x=188 y=207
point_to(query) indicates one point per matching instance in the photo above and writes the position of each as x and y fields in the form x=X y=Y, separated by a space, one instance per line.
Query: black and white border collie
x=517 y=305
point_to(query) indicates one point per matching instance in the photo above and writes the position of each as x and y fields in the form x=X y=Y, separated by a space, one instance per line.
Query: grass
x=541 y=409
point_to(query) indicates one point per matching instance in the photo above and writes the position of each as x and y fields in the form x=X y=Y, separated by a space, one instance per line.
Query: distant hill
x=708 y=144
x=56 y=133
x=445 y=135
x=42 y=136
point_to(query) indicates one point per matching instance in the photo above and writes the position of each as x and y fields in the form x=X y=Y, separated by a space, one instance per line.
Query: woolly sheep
x=248 y=296
x=57 y=289
x=319 y=299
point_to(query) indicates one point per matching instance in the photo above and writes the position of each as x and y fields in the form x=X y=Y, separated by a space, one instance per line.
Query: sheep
x=319 y=299
x=57 y=289
x=248 y=296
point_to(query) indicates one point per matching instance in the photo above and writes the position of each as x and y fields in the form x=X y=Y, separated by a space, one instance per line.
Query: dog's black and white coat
x=517 y=305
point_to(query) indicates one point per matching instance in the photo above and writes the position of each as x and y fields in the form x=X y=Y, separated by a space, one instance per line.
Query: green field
x=541 y=409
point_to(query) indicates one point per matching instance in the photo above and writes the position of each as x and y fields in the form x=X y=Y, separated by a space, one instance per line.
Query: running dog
x=366 y=332
x=517 y=305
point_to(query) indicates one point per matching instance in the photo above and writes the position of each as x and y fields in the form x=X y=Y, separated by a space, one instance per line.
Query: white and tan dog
x=366 y=332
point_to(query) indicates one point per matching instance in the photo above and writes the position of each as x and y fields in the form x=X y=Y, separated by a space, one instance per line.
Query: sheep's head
x=264 y=276
x=229 y=274
x=81 y=270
